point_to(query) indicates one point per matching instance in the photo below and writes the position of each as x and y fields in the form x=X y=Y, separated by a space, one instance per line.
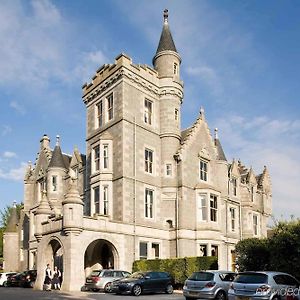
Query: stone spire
x=13 y=220
x=44 y=207
x=166 y=40
x=219 y=148
x=57 y=160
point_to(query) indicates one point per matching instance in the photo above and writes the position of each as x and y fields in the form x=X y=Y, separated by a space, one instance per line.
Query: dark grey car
x=264 y=286
x=208 y=285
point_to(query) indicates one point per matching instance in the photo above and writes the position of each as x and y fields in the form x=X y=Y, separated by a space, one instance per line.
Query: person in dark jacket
x=48 y=278
x=56 y=278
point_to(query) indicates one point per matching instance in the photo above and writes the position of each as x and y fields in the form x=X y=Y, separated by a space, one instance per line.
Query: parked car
x=102 y=279
x=15 y=280
x=263 y=286
x=28 y=279
x=4 y=276
x=208 y=285
x=144 y=282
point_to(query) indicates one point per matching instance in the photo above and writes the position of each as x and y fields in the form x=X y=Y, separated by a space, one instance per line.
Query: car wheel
x=108 y=287
x=95 y=290
x=5 y=283
x=169 y=289
x=220 y=296
x=136 y=290
x=276 y=298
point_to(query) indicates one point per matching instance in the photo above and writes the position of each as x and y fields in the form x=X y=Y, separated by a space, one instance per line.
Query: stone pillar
x=73 y=276
x=11 y=251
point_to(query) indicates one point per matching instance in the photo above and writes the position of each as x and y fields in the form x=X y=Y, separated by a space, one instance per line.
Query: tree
x=284 y=248
x=252 y=254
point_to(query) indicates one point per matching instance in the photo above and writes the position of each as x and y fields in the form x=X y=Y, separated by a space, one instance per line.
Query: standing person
x=56 y=278
x=48 y=277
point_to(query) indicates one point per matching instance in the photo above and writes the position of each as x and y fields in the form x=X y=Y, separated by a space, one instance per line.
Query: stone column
x=73 y=276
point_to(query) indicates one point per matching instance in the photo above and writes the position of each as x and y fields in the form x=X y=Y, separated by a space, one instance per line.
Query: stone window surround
x=106 y=110
x=153 y=189
x=209 y=246
x=233 y=218
x=102 y=185
x=148 y=116
x=204 y=174
x=150 y=251
x=102 y=144
x=207 y=193
x=149 y=148
x=171 y=169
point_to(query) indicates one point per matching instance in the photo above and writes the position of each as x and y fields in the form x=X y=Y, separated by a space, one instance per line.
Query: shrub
x=179 y=268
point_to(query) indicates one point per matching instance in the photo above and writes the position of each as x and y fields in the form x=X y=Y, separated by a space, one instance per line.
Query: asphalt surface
x=30 y=294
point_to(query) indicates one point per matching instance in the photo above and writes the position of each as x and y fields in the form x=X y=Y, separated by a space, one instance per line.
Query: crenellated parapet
x=123 y=67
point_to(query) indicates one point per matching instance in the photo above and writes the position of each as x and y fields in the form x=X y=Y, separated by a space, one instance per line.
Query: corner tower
x=167 y=63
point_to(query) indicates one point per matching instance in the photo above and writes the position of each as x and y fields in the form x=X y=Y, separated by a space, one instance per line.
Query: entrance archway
x=100 y=254
x=54 y=254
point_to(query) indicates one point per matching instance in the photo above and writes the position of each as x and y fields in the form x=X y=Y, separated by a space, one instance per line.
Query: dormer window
x=203 y=169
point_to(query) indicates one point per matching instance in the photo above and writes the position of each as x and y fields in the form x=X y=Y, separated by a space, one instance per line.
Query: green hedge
x=179 y=268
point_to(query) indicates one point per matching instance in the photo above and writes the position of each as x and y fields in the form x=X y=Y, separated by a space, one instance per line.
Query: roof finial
x=166 y=15
x=57 y=140
x=14 y=204
x=216 y=134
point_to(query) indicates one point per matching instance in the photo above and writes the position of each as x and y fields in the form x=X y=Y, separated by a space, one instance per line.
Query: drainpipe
x=134 y=188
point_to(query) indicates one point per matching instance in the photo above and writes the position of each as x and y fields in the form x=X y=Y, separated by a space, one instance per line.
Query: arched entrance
x=54 y=254
x=100 y=254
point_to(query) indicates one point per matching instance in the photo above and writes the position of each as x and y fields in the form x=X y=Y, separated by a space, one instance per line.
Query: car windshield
x=137 y=275
x=251 y=278
x=202 y=276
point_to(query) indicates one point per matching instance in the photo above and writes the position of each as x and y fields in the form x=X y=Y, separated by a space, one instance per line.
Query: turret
x=55 y=177
x=11 y=241
x=72 y=208
x=41 y=215
x=167 y=61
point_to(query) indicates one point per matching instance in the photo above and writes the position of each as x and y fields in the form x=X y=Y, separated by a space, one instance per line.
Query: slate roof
x=58 y=160
x=166 y=40
x=220 y=152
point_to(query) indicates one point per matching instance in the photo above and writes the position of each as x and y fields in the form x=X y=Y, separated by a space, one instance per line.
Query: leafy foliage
x=280 y=252
x=253 y=254
x=179 y=268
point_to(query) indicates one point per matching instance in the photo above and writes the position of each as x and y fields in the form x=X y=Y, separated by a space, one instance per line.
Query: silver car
x=208 y=285
x=264 y=286
x=102 y=279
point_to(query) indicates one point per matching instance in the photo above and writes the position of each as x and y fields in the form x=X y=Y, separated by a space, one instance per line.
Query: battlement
x=143 y=72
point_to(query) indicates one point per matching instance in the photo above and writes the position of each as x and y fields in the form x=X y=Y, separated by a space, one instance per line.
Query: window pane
x=110 y=108
x=143 y=251
x=97 y=200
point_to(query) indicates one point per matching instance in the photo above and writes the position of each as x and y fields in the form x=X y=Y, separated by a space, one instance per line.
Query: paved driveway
x=30 y=294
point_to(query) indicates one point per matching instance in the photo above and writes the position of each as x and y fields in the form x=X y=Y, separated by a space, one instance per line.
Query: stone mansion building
x=145 y=188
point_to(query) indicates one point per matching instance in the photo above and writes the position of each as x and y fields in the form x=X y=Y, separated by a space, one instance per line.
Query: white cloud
x=18 y=107
x=9 y=154
x=261 y=141
x=14 y=174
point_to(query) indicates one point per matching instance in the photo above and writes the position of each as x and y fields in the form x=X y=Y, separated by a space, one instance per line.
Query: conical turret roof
x=166 y=40
x=57 y=160
x=220 y=151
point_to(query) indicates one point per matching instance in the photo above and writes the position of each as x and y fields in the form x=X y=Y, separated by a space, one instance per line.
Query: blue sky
x=240 y=61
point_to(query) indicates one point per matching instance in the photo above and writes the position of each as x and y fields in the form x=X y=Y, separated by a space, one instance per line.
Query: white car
x=4 y=276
